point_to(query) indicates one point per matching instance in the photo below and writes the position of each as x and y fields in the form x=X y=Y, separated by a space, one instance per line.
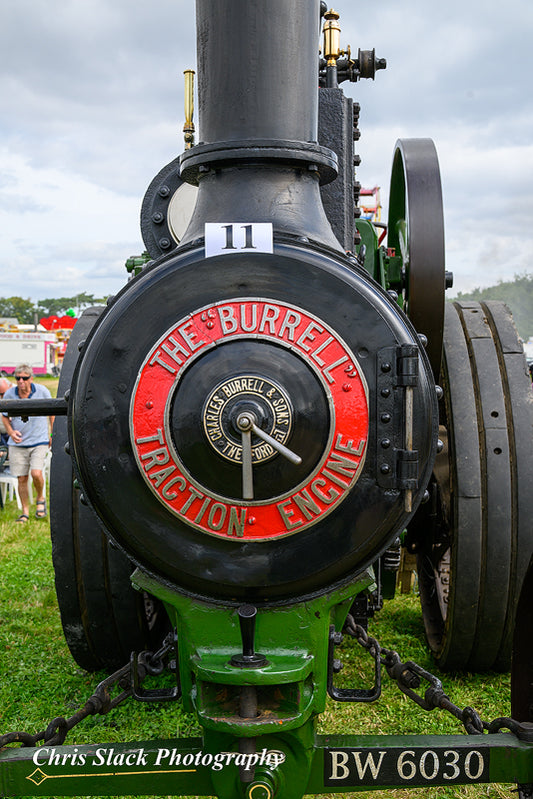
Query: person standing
x=28 y=442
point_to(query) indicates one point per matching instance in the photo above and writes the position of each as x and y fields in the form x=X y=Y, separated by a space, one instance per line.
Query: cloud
x=95 y=88
x=73 y=236
x=21 y=205
x=462 y=79
x=92 y=99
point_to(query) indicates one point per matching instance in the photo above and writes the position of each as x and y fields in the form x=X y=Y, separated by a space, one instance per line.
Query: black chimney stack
x=259 y=160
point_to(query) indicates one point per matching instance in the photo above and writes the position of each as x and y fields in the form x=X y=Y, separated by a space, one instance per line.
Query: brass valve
x=188 y=127
x=332 y=37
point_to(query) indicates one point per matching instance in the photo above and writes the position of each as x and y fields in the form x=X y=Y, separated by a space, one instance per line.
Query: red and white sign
x=308 y=338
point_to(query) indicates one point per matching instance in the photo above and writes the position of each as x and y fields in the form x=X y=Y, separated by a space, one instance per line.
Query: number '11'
x=248 y=240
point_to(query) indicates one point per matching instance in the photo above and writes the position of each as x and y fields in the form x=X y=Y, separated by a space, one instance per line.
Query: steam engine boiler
x=266 y=408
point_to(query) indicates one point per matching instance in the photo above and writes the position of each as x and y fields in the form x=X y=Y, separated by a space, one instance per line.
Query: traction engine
x=252 y=428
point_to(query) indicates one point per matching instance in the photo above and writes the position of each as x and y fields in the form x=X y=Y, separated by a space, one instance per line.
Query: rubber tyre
x=472 y=564
x=103 y=617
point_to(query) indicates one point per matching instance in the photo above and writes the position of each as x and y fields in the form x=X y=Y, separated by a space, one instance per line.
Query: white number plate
x=228 y=238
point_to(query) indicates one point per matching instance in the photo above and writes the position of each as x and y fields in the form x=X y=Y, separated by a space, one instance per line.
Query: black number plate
x=402 y=767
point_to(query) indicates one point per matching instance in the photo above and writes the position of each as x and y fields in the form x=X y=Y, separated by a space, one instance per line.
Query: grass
x=48 y=381
x=40 y=680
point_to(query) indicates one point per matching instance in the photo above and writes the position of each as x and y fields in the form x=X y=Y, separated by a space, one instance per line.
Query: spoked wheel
x=416 y=232
x=475 y=535
x=103 y=617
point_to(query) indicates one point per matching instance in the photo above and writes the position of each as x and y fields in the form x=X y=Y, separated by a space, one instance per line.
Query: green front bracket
x=291 y=686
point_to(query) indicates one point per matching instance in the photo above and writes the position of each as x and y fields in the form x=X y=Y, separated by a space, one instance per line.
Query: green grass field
x=39 y=679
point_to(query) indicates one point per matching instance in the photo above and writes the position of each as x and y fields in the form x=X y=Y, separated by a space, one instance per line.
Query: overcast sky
x=92 y=108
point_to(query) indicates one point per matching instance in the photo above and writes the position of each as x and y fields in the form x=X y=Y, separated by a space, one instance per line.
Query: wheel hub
x=247 y=397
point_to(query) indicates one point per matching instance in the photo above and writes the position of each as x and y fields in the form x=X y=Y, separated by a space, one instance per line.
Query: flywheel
x=416 y=233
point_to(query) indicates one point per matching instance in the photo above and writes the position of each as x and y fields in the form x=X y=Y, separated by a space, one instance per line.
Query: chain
x=409 y=676
x=101 y=701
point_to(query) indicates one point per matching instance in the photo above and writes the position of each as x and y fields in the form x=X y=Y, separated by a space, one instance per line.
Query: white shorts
x=22 y=460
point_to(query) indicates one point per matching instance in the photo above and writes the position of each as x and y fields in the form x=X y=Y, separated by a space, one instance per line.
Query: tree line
x=26 y=311
x=518 y=296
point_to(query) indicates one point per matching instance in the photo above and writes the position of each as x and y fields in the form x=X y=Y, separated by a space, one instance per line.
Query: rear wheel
x=103 y=617
x=475 y=536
